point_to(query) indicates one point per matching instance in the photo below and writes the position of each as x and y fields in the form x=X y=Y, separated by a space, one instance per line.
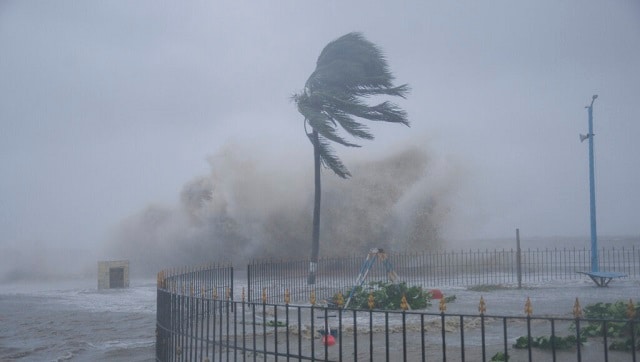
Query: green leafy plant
x=601 y=318
x=487 y=287
x=544 y=342
x=450 y=299
x=273 y=323
x=620 y=331
x=499 y=357
x=388 y=296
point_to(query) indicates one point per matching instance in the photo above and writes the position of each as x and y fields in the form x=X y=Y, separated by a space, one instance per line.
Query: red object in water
x=328 y=340
x=436 y=294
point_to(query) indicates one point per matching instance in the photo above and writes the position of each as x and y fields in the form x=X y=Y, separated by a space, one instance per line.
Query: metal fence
x=437 y=269
x=277 y=316
x=197 y=327
x=185 y=298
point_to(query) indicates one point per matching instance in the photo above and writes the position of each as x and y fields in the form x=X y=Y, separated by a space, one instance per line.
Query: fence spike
x=482 y=307
x=631 y=309
x=577 y=309
x=339 y=300
x=528 y=309
x=403 y=303
x=443 y=305
x=371 y=301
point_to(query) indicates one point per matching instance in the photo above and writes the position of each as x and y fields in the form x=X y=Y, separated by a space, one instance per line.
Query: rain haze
x=165 y=133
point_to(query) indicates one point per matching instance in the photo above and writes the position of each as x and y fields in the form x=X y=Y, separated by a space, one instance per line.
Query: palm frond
x=348 y=70
x=329 y=159
x=399 y=91
x=349 y=104
x=356 y=129
x=352 y=59
x=322 y=123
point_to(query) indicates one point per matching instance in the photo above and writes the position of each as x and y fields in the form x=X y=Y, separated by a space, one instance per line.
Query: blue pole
x=592 y=192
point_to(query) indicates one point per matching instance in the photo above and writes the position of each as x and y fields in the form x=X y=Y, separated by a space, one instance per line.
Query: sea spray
x=248 y=207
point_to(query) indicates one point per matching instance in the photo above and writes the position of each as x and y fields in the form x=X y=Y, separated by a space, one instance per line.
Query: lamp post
x=592 y=189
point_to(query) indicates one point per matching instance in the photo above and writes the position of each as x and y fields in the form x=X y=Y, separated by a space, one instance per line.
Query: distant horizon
x=523 y=236
x=87 y=269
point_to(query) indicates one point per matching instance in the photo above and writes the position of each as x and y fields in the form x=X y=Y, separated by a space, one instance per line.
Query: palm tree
x=349 y=70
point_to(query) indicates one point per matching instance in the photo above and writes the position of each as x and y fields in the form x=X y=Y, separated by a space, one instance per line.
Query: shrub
x=624 y=334
x=388 y=296
x=621 y=331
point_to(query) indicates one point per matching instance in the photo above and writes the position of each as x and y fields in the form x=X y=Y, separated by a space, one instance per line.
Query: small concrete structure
x=113 y=274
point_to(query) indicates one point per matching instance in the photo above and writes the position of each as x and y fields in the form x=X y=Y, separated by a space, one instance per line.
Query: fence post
x=249 y=282
x=443 y=308
x=577 y=314
x=518 y=259
x=482 y=308
x=631 y=314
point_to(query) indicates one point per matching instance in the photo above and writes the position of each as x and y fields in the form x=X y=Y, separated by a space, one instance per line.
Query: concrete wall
x=104 y=273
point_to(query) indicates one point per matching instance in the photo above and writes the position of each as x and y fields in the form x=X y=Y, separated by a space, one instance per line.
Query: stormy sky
x=107 y=107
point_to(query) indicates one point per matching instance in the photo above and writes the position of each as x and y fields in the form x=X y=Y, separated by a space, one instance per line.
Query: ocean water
x=74 y=321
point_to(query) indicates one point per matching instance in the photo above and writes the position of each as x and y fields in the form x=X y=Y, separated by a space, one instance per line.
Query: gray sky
x=108 y=106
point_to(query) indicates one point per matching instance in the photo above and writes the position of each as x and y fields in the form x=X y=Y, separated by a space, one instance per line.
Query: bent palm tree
x=348 y=71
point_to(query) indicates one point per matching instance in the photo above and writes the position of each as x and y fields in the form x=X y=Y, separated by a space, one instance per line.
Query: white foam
x=121 y=344
x=139 y=298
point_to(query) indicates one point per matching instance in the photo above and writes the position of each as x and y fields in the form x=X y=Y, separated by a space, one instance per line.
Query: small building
x=113 y=274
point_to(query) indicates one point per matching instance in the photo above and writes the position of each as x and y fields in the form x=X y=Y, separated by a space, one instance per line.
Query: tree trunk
x=315 y=242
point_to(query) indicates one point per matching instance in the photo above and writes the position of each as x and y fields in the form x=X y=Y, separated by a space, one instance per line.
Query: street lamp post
x=592 y=189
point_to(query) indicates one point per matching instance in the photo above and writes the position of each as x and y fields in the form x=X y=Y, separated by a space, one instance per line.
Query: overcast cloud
x=107 y=107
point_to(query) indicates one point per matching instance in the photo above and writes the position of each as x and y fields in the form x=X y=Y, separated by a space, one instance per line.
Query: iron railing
x=199 y=328
x=201 y=318
x=185 y=299
x=437 y=269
